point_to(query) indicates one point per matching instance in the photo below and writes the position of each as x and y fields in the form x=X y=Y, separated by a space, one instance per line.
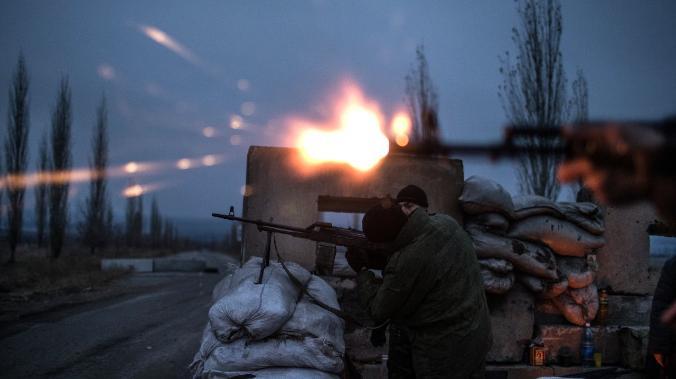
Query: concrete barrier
x=178 y=265
x=136 y=264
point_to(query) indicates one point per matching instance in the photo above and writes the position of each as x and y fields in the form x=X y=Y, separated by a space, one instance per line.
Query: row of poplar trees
x=52 y=180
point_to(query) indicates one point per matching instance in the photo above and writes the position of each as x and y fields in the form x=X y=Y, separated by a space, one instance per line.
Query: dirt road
x=150 y=333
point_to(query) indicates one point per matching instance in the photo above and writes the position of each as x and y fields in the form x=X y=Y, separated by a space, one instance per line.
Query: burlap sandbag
x=530 y=258
x=498 y=266
x=575 y=270
x=482 y=195
x=587 y=216
x=494 y=222
x=496 y=283
x=535 y=285
x=554 y=289
x=562 y=237
x=578 y=306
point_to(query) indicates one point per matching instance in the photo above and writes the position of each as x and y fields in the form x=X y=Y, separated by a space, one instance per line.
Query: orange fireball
x=356 y=136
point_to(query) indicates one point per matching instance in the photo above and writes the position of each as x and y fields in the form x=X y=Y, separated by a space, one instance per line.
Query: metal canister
x=602 y=314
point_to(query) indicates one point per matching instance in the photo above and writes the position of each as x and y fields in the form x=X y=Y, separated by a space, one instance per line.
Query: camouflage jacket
x=432 y=279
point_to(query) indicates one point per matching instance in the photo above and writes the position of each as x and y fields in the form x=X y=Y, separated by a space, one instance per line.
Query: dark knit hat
x=413 y=194
x=383 y=222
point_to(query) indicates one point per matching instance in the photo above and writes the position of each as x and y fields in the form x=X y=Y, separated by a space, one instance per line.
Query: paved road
x=152 y=333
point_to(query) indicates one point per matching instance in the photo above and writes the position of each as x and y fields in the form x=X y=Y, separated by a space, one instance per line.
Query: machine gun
x=531 y=141
x=320 y=232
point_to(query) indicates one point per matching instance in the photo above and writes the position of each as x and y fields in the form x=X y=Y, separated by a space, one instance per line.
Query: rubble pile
x=273 y=329
x=540 y=243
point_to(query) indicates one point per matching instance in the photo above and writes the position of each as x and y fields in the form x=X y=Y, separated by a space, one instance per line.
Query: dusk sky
x=259 y=62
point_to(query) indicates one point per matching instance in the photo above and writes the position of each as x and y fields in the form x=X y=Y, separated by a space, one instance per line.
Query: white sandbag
x=320 y=290
x=530 y=258
x=562 y=237
x=499 y=266
x=535 y=285
x=496 y=283
x=311 y=320
x=489 y=221
x=306 y=352
x=588 y=216
x=241 y=356
x=257 y=310
x=482 y=195
x=220 y=288
x=340 y=266
x=271 y=373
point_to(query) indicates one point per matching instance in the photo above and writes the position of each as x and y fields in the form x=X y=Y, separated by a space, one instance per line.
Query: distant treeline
x=94 y=226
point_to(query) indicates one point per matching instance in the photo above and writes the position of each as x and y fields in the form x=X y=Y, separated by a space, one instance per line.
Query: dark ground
x=152 y=331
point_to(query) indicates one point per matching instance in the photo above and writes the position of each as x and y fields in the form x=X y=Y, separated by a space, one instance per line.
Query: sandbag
x=578 y=306
x=305 y=352
x=588 y=216
x=496 y=283
x=588 y=298
x=271 y=373
x=535 y=285
x=341 y=267
x=554 y=289
x=576 y=271
x=311 y=320
x=494 y=222
x=499 y=266
x=533 y=259
x=562 y=237
x=257 y=310
x=572 y=311
x=220 y=288
x=482 y=195
x=580 y=280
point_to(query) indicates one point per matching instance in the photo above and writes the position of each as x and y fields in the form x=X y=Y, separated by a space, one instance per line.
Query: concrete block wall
x=280 y=187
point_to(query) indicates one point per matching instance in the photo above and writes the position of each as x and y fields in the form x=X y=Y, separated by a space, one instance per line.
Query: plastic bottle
x=587 y=346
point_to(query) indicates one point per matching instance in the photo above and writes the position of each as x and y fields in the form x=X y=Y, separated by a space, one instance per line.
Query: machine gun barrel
x=514 y=144
x=319 y=231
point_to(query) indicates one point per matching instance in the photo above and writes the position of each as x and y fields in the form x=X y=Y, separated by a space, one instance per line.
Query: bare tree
x=130 y=214
x=16 y=153
x=94 y=227
x=169 y=235
x=60 y=167
x=155 y=224
x=579 y=109
x=533 y=89
x=422 y=100
x=579 y=101
x=41 y=192
x=138 y=221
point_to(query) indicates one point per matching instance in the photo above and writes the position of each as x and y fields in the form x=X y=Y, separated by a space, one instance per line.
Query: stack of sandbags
x=489 y=210
x=523 y=238
x=272 y=329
